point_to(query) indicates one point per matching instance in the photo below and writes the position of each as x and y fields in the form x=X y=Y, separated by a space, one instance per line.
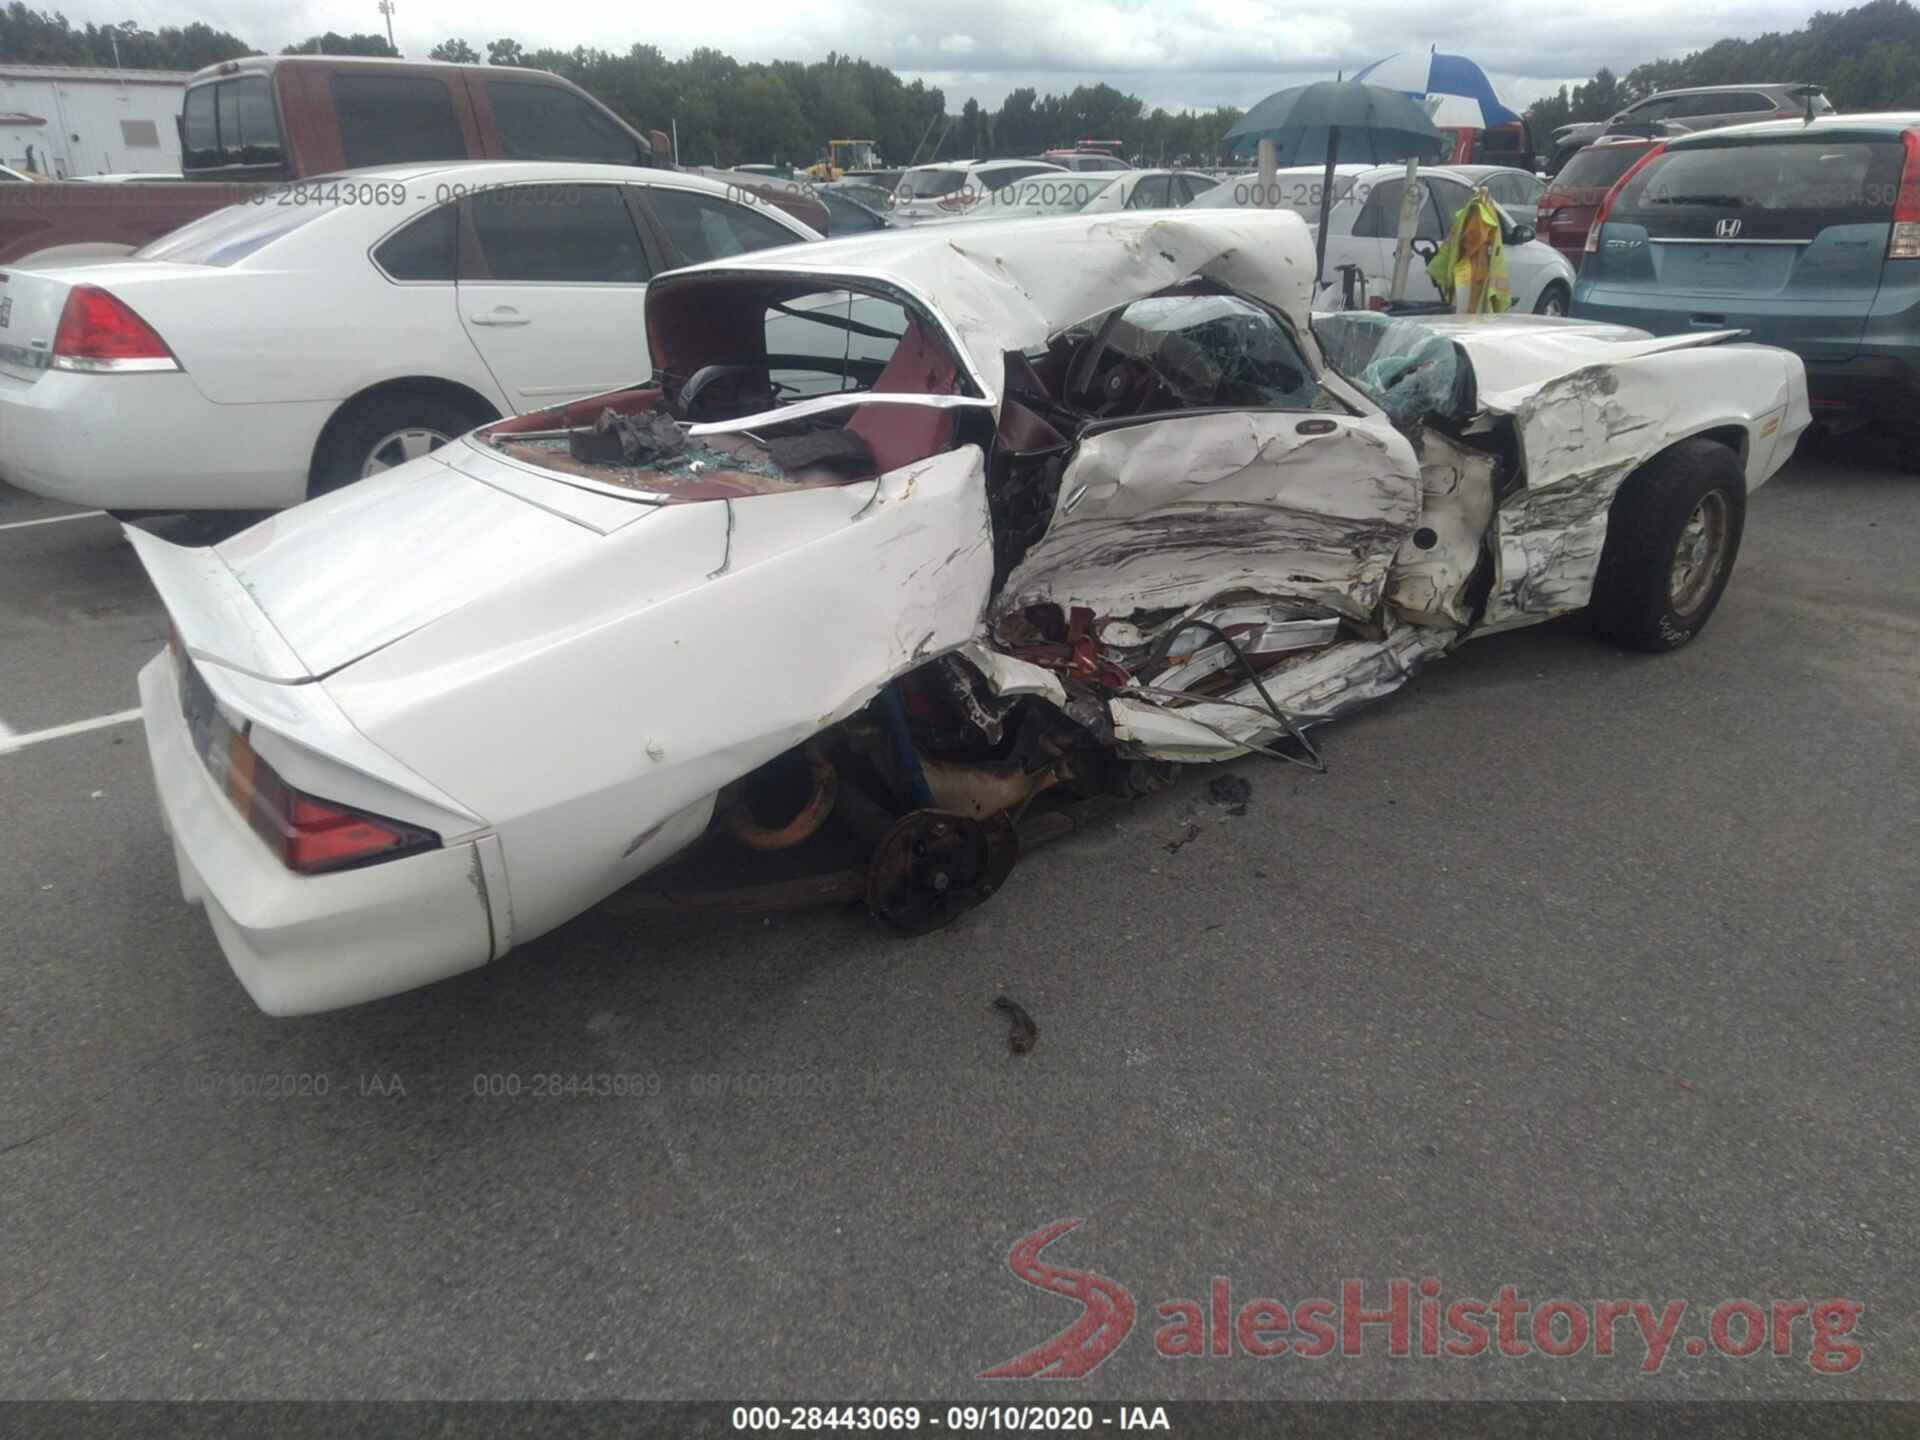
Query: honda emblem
x=1726 y=229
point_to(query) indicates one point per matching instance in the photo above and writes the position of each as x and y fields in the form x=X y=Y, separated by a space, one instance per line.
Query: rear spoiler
x=217 y=620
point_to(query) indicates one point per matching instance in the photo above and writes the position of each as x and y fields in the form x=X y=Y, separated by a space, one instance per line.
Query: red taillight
x=309 y=835
x=1904 y=241
x=1592 y=245
x=99 y=331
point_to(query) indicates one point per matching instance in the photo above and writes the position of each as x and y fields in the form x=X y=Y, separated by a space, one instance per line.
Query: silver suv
x=1698 y=107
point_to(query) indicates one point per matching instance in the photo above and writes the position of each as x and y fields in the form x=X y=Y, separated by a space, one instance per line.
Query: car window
x=1003 y=175
x=931 y=184
x=423 y=249
x=545 y=122
x=228 y=123
x=847 y=217
x=231 y=235
x=1196 y=352
x=1651 y=110
x=1597 y=167
x=706 y=227
x=1154 y=192
x=1788 y=183
x=1190 y=186
x=1379 y=218
x=579 y=234
x=1451 y=197
x=385 y=119
x=831 y=341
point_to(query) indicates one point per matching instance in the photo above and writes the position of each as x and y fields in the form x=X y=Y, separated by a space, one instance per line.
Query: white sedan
x=338 y=327
x=1090 y=497
x=1365 y=222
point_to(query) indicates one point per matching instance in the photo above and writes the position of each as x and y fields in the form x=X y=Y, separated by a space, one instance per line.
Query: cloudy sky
x=1176 y=53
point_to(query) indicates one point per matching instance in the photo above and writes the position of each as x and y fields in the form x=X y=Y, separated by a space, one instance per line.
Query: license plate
x=196 y=704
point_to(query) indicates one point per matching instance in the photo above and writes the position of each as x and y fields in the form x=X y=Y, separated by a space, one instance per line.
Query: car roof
x=486 y=172
x=1723 y=89
x=264 y=64
x=1480 y=172
x=1887 y=122
x=998 y=287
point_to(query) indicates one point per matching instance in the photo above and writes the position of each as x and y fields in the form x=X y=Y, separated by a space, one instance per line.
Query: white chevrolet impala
x=340 y=326
x=912 y=545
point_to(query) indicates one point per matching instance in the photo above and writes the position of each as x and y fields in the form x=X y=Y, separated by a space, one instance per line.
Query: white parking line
x=51 y=519
x=10 y=740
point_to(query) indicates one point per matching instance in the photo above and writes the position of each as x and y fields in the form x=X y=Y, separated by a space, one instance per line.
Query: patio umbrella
x=1332 y=120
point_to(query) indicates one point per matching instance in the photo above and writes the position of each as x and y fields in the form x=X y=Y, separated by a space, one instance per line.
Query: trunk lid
x=315 y=588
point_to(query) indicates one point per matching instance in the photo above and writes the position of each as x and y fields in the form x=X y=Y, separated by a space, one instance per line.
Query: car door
x=1371 y=235
x=552 y=290
x=1239 y=472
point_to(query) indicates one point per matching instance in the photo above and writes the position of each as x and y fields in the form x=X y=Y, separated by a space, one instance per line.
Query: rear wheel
x=1672 y=537
x=388 y=430
x=1554 y=300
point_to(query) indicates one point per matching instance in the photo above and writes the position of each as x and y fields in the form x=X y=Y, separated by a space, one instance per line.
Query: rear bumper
x=152 y=442
x=303 y=943
x=1869 y=387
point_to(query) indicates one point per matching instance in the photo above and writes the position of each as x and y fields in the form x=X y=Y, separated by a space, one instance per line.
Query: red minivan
x=1573 y=196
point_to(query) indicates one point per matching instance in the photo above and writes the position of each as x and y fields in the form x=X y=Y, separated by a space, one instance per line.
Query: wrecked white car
x=913 y=543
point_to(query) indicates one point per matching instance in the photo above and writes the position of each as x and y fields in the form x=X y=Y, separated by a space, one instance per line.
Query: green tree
x=333 y=43
x=505 y=52
x=456 y=50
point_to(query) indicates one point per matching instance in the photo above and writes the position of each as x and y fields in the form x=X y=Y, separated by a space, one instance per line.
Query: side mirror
x=1520 y=234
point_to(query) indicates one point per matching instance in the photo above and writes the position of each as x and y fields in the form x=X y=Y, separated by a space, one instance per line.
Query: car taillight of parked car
x=1606 y=206
x=100 y=332
x=1904 y=241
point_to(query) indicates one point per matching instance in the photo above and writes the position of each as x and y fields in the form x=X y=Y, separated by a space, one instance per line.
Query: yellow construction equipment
x=845 y=155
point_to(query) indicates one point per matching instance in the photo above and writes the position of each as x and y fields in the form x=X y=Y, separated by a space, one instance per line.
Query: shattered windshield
x=1407 y=369
x=1186 y=351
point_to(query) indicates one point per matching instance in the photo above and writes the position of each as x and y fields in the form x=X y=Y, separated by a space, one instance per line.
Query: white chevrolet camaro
x=1363 y=227
x=912 y=538
x=339 y=326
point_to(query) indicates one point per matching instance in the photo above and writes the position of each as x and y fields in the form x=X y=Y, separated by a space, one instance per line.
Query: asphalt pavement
x=1585 y=973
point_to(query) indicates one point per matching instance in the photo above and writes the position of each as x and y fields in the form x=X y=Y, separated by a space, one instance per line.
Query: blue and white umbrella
x=1457 y=91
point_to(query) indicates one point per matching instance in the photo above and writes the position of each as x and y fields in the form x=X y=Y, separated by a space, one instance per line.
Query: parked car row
x=266 y=353
x=1804 y=234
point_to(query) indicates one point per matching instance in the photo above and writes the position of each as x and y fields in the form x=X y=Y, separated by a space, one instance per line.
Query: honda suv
x=1807 y=234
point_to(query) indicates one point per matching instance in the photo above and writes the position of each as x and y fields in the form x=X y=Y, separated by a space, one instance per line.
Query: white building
x=66 y=120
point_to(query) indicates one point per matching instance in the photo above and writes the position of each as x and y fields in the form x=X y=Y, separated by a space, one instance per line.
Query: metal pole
x=1269 y=154
x=1409 y=221
x=1326 y=206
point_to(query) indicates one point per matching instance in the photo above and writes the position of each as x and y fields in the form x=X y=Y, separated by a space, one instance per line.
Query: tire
x=386 y=430
x=1554 y=300
x=1672 y=537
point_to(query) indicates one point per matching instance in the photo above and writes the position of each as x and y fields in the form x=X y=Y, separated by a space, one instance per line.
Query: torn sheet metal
x=1311 y=691
x=1167 y=513
x=1582 y=434
x=1435 y=564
